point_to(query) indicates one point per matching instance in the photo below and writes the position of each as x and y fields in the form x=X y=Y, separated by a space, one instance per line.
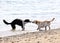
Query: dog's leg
x=23 y=28
x=49 y=27
x=22 y=25
x=45 y=28
x=37 y=28
x=13 y=27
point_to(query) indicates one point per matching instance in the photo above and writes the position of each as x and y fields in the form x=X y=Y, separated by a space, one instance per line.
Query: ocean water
x=29 y=9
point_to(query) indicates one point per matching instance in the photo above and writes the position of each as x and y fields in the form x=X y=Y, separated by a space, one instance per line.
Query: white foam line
x=10 y=33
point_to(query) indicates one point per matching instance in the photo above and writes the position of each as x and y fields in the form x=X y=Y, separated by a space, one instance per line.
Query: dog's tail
x=6 y=22
x=52 y=20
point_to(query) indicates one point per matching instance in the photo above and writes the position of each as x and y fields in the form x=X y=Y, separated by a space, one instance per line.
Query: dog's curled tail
x=52 y=20
x=6 y=22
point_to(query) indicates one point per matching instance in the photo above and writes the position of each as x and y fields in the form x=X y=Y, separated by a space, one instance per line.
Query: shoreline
x=19 y=32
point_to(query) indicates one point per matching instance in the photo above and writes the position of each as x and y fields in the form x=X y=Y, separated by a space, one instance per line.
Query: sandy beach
x=50 y=36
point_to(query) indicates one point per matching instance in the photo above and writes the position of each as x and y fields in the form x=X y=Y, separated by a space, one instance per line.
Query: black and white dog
x=17 y=22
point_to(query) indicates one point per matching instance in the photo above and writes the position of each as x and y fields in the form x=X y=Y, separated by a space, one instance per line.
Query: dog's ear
x=36 y=22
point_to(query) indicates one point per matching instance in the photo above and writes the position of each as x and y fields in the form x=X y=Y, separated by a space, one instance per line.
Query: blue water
x=29 y=9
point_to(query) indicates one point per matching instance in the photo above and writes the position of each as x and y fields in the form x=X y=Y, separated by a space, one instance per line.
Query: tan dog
x=42 y=24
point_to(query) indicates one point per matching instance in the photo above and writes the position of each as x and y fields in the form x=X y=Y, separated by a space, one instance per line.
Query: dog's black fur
x=17 y=22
